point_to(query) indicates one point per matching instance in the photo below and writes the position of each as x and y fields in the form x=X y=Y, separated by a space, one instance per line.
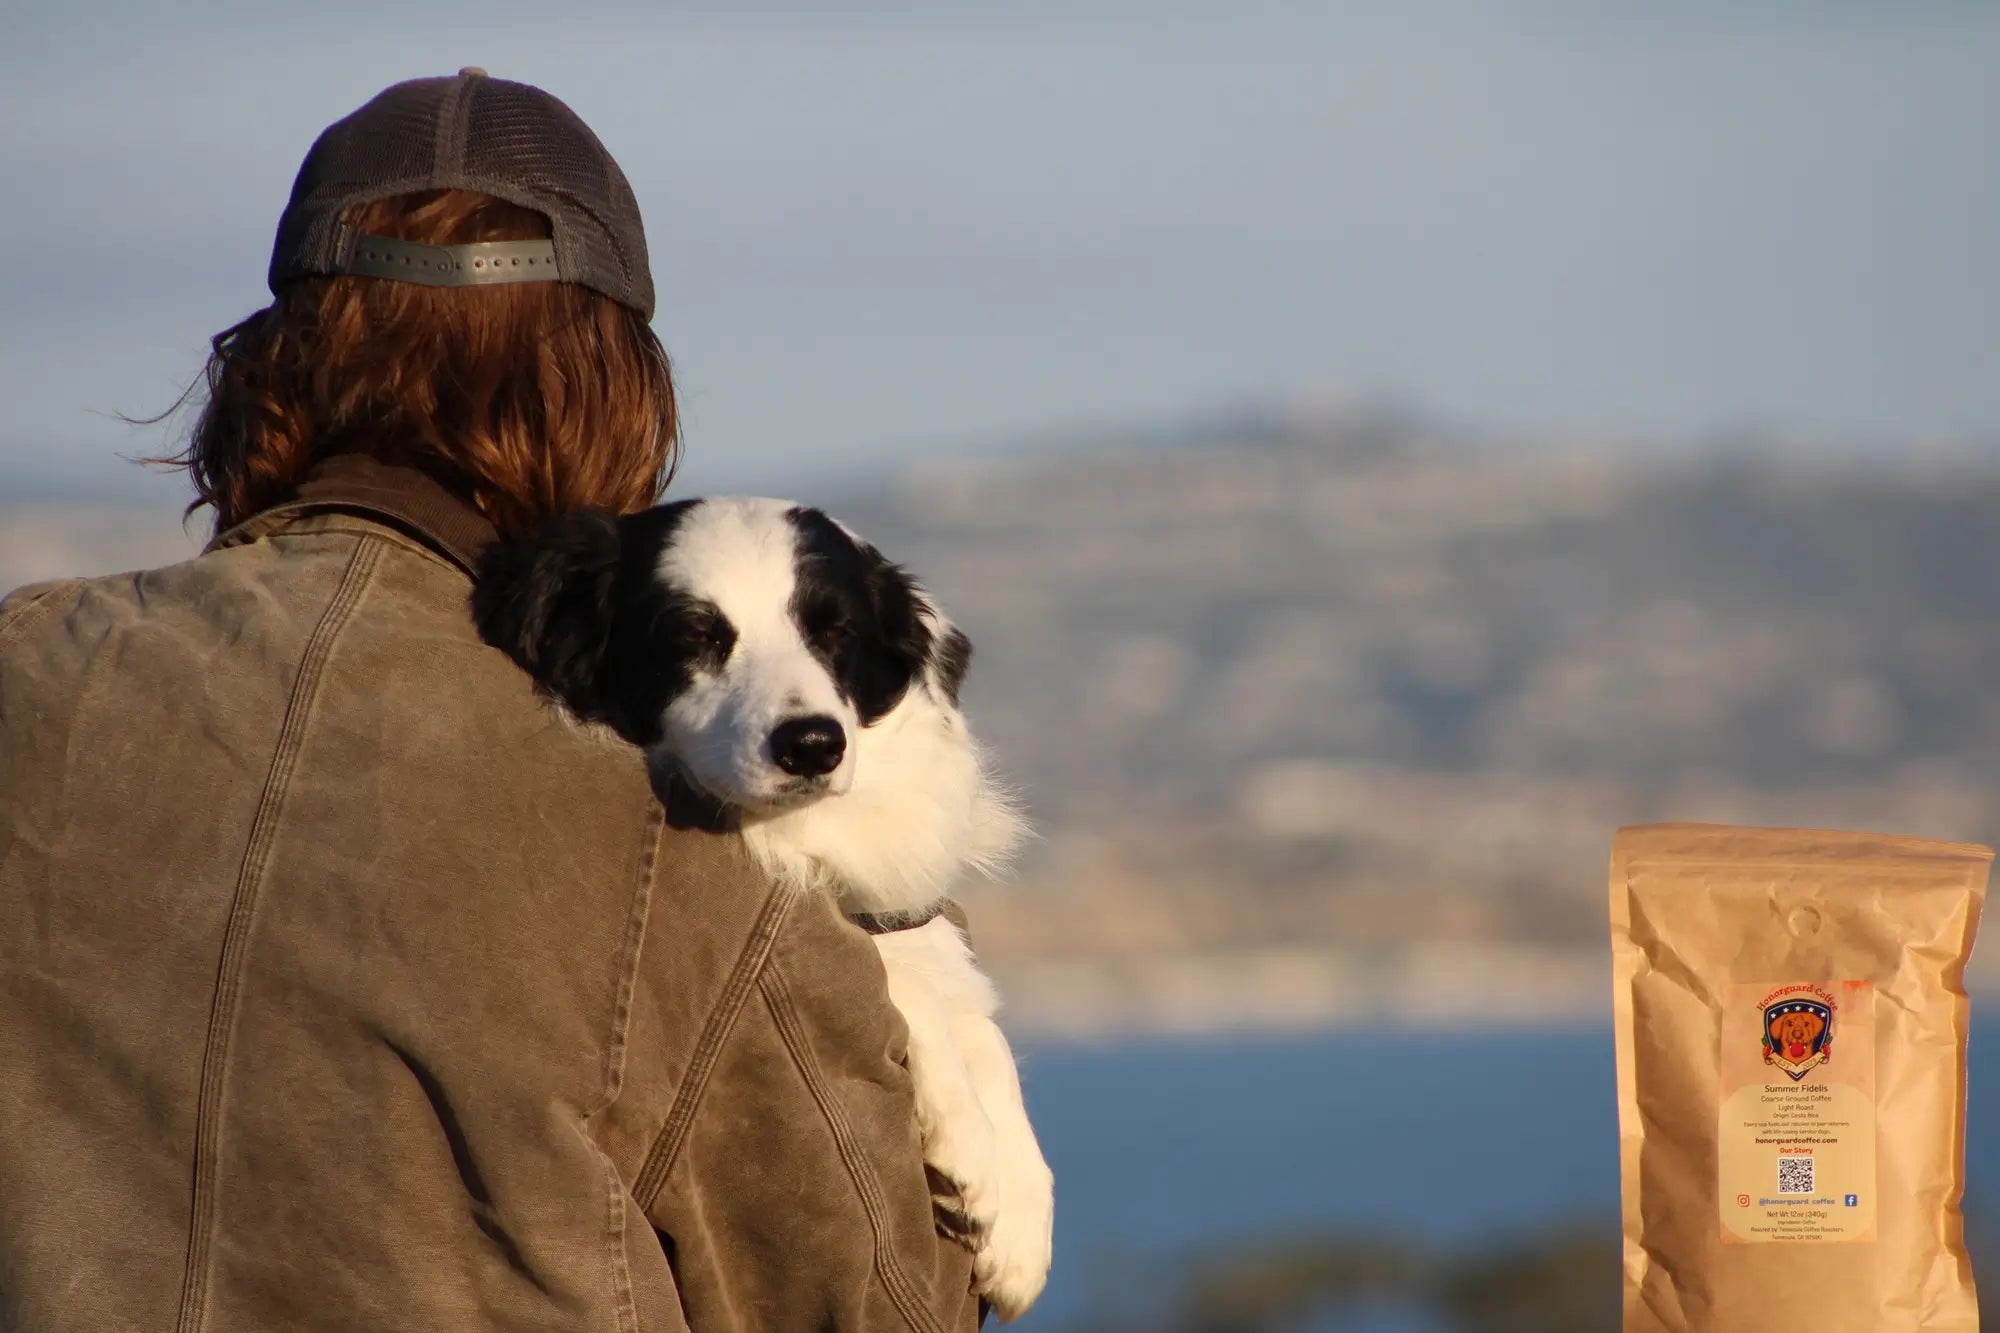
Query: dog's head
x=1795 y=1033
x=746 y=642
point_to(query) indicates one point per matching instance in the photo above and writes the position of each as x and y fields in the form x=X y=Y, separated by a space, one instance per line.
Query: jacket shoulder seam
x=49 y=599
x=888 y=1265
x=242 y=908
x=708 y=1047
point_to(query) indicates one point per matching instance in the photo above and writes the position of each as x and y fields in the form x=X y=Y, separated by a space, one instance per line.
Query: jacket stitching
x=382 y=532
x=721 y=1020
x=626 y=1308
x=894 y=1279
x=290 y=524
x=614 y=1069
x=629 y=950
x=39 y=605
x=235 y=940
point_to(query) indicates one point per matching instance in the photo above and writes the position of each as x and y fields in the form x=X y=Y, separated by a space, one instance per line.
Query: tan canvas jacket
x=346 y=986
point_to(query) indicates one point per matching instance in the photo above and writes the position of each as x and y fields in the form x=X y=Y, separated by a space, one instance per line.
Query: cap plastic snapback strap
x=481 y=264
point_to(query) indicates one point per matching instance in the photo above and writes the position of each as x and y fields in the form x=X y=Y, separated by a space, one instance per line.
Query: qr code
x=1795 y=1175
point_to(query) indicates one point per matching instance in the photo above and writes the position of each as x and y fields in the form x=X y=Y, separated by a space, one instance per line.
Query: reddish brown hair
x=529 y=399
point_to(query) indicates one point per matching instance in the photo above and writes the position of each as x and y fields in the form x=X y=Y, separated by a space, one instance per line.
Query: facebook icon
x=1853 y=1200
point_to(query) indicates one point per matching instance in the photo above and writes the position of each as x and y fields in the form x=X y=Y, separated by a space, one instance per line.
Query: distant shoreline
x=1432 y=987
x=1289 y=993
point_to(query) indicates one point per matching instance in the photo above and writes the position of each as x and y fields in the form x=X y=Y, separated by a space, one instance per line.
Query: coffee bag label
x=1795 y=1149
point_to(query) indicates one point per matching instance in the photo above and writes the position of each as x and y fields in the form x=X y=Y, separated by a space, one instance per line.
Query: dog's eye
x=824 y=622
x=706 y=632
x=833 y=638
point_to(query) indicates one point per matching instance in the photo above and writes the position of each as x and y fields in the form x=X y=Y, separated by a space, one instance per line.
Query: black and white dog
x=779 y=669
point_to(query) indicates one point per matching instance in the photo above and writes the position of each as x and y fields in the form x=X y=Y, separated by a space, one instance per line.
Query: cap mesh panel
x=521 y=144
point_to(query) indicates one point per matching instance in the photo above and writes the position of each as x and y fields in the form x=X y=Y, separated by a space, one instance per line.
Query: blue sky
x=888 y=229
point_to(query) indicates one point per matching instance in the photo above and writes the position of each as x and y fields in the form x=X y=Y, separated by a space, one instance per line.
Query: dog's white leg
x=1014 y=1264
x=1007 y=1186
x=958 y=1137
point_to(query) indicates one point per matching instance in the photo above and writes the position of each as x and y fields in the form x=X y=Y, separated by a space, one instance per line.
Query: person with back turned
x=344 y=983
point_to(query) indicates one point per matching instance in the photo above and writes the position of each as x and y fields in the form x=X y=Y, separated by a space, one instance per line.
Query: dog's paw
x=1010 y=1261
x=962 y=1159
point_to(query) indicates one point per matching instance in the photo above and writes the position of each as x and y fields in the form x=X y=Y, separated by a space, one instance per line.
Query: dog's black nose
x=809 y=747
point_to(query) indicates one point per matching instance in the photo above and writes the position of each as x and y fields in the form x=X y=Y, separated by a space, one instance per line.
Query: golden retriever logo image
x=1798 y=1036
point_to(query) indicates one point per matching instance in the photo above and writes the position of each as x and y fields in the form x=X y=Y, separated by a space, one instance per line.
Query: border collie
x=782 y=675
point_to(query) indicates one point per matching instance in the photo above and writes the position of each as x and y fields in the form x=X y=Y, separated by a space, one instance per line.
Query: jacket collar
x=404 y=497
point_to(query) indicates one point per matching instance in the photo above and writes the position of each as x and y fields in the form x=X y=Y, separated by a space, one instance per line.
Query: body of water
x=1162 y=1148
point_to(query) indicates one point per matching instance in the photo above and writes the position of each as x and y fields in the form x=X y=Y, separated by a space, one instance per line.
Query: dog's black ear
x=902 y=618
x=914 y=636
x=546 y=601
x=951 y=655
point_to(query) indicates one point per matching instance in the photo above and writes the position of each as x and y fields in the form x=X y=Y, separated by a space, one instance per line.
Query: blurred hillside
x=1329 y=718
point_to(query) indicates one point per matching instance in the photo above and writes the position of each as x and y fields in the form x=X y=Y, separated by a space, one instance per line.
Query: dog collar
x=887 y=923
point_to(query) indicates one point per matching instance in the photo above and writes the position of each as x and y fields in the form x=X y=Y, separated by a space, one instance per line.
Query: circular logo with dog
x=1798 y=1031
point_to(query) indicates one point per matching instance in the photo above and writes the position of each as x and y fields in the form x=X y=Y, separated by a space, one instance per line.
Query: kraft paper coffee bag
x=1791 y=1078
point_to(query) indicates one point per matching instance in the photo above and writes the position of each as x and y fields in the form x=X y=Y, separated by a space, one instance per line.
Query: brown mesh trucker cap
x=467 y=132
